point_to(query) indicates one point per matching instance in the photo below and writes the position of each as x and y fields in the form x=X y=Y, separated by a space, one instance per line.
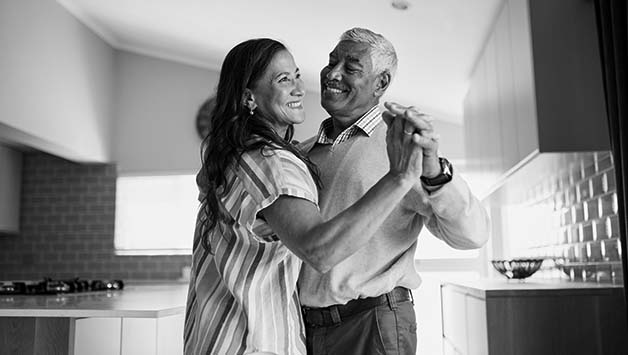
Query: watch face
x=203 y=117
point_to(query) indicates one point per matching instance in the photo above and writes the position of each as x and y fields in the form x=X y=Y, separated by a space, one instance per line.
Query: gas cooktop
x=49 y=286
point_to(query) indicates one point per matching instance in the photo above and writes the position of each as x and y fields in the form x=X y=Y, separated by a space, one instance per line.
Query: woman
x=259 y=217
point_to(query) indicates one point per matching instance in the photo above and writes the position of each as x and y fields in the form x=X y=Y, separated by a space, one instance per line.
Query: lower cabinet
x=126 y=336
x=464 y=323
x=91 y=336
x=541 y=322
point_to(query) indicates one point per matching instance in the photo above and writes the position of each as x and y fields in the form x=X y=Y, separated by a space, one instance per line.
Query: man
x=364 y=304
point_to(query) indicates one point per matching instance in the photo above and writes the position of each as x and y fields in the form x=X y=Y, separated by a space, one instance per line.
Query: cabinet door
x=448 y=348
x=505 y=89
x=454 y=325
x=477 y=337
x=523 y=74
x=97 y=336
x=139 y=336
x=154 y=336
x=492 y=119
x=170 y=335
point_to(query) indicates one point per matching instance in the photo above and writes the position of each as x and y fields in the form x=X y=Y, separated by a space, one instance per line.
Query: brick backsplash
x=580 y=203
x=67 y=227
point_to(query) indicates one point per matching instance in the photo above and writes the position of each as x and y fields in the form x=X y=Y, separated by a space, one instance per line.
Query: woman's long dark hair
x=234 y=130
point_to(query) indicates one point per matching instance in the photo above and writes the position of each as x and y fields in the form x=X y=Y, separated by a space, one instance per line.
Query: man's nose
x=334 y=73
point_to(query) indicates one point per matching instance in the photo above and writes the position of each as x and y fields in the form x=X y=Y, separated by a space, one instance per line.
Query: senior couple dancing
x=310 y=249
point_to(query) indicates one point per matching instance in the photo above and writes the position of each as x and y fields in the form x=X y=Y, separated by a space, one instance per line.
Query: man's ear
x=382 y=83
x=248 y=100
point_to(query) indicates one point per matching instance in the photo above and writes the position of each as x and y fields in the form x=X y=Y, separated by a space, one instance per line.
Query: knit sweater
x=348 y=170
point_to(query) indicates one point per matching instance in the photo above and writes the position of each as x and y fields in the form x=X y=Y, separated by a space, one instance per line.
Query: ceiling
x=437 y=41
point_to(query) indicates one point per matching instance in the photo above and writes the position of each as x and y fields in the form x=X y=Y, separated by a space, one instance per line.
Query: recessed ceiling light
x=400 y=4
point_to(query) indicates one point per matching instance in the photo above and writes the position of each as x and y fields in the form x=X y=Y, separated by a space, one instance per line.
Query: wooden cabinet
x=536 y=87
x=525 y=319
x=10 y=182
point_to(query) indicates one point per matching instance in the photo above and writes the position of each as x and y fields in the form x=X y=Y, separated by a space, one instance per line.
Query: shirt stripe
x=243 y=297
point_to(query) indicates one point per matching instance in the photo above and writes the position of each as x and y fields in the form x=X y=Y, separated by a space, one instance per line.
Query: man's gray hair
x=382 y=51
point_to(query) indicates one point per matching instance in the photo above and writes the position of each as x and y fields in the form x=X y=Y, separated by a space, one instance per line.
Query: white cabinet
x=464 y=323
x=97 y=336
x=477 y=338
x=128 y=336
x=144 y=336
x=10 y=183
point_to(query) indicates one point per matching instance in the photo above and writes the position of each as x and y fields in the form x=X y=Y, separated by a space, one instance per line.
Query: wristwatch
x=445 y=176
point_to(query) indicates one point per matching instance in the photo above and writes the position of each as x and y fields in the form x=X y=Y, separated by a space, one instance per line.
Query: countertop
x=138 y=301
x=531 y=287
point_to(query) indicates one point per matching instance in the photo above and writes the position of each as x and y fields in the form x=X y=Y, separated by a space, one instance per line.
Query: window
x=155 y=215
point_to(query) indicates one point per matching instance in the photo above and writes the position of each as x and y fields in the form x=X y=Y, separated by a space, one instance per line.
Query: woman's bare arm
x=323 y=244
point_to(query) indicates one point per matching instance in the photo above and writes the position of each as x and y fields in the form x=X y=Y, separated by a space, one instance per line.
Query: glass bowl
x=517 y=268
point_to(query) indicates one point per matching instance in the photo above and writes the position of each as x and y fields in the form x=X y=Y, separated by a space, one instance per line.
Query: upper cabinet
x=10 y=186
x=536 y=87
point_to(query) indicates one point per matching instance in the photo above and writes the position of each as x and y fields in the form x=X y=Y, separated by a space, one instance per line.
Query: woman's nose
x=299 y=88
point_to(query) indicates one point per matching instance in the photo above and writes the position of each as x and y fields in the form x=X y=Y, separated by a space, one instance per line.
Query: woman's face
x=279 y=92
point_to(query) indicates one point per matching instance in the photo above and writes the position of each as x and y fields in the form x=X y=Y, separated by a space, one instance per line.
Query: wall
x=156 y=105
x=564 y=207
x=55 y=74
x=67 y=223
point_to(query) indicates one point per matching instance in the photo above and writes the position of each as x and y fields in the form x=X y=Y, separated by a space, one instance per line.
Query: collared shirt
x=365 y=124
x=243 y=295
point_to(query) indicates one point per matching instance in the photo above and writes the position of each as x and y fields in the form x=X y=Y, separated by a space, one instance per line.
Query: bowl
x=517 y=268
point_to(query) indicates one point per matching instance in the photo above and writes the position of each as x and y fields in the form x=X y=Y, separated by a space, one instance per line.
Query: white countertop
x=139 y=301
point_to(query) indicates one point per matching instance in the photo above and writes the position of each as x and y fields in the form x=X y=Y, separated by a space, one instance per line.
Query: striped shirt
x=243 y=298
x=366 y=124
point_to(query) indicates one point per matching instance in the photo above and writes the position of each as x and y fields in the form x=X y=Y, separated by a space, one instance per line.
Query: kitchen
x=105 y=114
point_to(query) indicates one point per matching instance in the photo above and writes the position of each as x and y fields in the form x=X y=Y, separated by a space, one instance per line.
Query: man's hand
x=417 y=122
x=404 y=153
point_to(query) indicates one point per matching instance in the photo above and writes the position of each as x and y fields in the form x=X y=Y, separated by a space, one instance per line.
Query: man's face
x=348 y=82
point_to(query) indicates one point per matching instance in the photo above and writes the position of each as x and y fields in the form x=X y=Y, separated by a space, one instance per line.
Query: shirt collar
x=366 y=124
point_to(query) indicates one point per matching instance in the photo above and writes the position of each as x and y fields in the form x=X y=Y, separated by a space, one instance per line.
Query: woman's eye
x=299 y=76
x=284 y=79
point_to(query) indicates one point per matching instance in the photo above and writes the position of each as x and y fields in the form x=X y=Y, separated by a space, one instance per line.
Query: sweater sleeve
x=454 y=214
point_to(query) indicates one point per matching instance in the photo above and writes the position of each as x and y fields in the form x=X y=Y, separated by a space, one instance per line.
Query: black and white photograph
x=316 y=177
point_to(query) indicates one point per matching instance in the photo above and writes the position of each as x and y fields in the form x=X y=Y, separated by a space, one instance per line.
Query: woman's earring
x=251 y=112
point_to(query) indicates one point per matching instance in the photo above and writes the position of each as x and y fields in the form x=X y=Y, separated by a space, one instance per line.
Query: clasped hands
x=412 y=144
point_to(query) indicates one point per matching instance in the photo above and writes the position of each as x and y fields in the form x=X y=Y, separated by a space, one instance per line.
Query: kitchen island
x=495 y=316
x=142 y=319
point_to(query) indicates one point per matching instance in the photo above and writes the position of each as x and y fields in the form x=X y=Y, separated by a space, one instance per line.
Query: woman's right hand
x=402 y=143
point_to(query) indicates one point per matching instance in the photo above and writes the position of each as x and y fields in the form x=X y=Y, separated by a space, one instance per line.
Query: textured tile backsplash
x=67 y=227
x=577 y=203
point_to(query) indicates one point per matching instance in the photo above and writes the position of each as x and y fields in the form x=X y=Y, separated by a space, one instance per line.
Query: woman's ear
x=382 y=83
x=248 y=100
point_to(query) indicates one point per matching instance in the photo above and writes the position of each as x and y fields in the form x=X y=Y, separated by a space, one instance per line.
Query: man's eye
x=298 y=75
x=284 y=79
